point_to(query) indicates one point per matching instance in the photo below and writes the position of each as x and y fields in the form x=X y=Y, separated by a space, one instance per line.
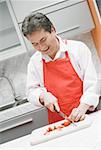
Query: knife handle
x=55 y=109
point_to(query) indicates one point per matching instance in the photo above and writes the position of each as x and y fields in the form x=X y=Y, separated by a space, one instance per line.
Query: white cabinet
x=22 y=120
x=72 y=16
x=72 y=20
x=11 y=41
x=22 y=8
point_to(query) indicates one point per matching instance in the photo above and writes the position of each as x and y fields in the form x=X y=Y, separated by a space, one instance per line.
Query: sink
x=14 y=104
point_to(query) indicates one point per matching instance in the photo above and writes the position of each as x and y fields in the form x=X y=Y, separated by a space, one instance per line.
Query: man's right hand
x=49 y=100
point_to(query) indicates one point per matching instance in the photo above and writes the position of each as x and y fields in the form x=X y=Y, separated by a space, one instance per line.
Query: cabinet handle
x=69 y=29
x=16 y=124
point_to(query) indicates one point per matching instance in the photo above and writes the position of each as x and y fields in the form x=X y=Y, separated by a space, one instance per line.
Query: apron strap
x=66 y=53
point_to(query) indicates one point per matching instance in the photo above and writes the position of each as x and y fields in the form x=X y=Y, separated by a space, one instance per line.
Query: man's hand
x=78 y=113
x=49 y=100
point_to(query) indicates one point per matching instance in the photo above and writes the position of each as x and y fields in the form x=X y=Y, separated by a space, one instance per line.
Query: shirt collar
x=59 y=54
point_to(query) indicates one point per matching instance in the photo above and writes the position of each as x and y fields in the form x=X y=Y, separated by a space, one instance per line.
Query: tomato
x=49 y=129
x=66 y=123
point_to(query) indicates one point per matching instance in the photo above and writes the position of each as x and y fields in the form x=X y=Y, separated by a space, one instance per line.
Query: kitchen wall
x=88 y=40
x=16 y=68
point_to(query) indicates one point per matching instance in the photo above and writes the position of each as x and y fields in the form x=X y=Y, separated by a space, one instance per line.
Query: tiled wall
x=16 y=68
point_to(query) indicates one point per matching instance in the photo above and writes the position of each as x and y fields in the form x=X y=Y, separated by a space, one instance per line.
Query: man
x=61 y=75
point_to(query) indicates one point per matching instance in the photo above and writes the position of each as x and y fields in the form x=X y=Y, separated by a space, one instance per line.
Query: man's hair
x=35 y=22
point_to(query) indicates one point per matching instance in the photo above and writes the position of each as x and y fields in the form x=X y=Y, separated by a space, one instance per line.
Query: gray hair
x=35 y=22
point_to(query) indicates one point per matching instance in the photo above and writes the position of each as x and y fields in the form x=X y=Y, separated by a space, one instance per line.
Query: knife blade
x=63 y=115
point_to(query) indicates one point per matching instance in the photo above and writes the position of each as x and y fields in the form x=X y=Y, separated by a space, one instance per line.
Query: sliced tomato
x=49 y=129
x=66 y=123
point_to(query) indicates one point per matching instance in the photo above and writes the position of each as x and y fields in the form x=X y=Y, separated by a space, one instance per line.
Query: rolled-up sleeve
x=34 y=88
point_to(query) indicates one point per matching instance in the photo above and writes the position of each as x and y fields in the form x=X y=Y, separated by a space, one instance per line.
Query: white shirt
x=80 y=57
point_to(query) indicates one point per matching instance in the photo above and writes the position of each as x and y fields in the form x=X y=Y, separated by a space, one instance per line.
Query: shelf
x=7 y=28
x=13 y=104
x=2 y=1
x=14 y=51
x=11 y=40
x=8 y=39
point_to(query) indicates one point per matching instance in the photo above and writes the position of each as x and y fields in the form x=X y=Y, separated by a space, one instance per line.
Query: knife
x=63 y=115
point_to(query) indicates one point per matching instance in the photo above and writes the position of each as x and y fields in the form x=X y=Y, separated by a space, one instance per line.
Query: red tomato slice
x=66 y=123
x=49 y=129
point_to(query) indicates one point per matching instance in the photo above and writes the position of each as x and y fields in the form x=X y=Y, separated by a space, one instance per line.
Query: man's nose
x=40 y=47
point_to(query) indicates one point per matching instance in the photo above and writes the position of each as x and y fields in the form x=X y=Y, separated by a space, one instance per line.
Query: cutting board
x=37 y=136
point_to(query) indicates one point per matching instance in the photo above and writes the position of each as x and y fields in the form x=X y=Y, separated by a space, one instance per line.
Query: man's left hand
x=78 y=113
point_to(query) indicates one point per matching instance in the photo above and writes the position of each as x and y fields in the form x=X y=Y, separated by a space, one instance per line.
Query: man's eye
x=43 y=39
x=34 y=44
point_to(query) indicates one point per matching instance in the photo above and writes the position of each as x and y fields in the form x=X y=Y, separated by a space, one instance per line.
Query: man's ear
x=53 y=29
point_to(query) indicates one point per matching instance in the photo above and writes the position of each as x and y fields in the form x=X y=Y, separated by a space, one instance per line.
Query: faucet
x=18 y=98
x=10 y=83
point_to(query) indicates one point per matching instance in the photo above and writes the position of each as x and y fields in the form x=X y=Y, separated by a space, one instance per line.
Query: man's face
x=45 y=42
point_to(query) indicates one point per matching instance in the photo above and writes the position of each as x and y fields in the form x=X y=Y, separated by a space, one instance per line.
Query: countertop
x=85 y=139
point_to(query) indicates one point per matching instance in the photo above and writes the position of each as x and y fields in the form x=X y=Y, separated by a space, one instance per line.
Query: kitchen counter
x=85 y=139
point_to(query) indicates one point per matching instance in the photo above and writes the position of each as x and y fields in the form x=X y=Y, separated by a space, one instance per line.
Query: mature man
x=61 y=74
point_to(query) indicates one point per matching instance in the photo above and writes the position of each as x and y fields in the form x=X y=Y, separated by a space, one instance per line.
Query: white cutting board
x=37 y=135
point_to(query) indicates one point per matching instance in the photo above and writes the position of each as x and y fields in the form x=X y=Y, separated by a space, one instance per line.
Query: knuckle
x=47 y=104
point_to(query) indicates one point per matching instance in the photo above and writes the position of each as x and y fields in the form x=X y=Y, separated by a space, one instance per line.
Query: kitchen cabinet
x=70 y=17
x=11 y=41
x=70 y=12
x=20 y=120
x=27 y=6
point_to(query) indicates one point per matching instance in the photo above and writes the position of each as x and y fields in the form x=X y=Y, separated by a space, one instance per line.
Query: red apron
x=63 y=82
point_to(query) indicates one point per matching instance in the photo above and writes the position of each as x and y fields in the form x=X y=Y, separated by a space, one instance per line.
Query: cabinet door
x=22 y=8
x=71 y=20
x=68 y=16
x=22 y=124
x=11 y=41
